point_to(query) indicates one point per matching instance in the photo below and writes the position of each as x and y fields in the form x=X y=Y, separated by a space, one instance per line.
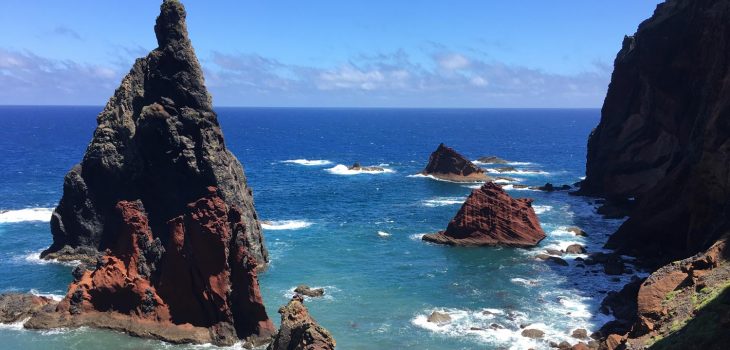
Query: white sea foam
x=476 y=324
x=15 y=325
x=308 y=162
x=383 y=234
x=513 y=188
x=542 y=209
x=285 y=225
x=443 y=180
x=56 y=297
x=442 y=201
x=340 y=169
x=28 y=214
x=35 y=258
x=518 y=171
x=417 y=236
x=524 y=281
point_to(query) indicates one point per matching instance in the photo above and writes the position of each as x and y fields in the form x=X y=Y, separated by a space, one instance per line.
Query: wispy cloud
x=443 y=78
x=26 y=78
x=66 y=32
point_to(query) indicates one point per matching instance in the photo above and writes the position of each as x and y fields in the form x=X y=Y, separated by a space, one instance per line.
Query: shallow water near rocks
x=355 y=234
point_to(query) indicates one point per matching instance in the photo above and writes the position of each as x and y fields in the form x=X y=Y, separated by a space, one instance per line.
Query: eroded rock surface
x=491 y=217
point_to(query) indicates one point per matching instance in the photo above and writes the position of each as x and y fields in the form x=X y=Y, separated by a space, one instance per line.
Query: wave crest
x=341 y=169
x=308 y=162
x=285 y=224
x=25 y=215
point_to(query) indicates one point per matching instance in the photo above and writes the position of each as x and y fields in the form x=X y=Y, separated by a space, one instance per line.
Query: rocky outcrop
x=299 y=331
x=686 y=301
x=357 y=167
x=163 y=209
x=16 y=307
x=447 y=164
x=308 y=291
x=664 y=137
x=157 y=141
x=198 y=286
x=491 y=217
x=492 y=160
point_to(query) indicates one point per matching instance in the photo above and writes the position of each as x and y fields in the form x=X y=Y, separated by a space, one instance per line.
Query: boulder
x=491 y=217
x=447 y=164
x=15 y=307
x=533 y=333
x=577 y=231
x=439 y=318
x=580 y=333
x=575 y=249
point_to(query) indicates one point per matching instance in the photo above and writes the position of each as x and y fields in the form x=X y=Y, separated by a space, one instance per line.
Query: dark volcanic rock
x=548 y=187
x=158 y=141
x=164 y=200
x=447 y=164
x=491 y=217
x=664 y=131
x=357 y=166
x=299 y=331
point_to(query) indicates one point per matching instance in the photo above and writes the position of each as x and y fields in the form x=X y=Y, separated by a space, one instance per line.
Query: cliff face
x=157 y=141
x=447 y=164
x=491 y=217
x=664 y=135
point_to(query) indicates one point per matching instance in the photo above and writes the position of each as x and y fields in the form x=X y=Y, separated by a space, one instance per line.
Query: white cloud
x=453 y=61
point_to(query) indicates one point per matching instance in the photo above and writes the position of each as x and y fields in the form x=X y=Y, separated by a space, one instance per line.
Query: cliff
x=447 y=164
x=663 y=139
x=491 y=217
x=157 y=141
x=299 y=330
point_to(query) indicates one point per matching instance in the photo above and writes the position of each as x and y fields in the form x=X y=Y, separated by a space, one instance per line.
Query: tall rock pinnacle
x=157 y=141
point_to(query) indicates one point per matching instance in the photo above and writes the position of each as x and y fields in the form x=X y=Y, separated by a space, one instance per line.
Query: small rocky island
x=447 y=164
x=491 y=217
x=161 y=213
x=357 y=167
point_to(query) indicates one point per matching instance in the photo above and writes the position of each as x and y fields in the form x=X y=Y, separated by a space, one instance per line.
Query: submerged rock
x=299 y=331
x=310 y=292
x=548 y=187
x=447 y=164
x=491 y=217
x=158 y=141
x=161 y=208
x=575 y=249
x=577 y=231
x=356 y=166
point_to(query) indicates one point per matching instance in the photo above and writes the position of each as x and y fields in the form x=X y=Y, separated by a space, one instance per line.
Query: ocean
x=355 y=234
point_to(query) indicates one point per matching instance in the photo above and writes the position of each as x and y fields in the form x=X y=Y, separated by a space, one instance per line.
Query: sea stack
x=166 y=204
x=491 y=217
x=664 y=130
x=447 y=164
x=158 y=141
x=299 y=330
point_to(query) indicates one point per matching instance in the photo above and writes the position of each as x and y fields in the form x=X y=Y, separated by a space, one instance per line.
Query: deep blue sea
x=355 y=234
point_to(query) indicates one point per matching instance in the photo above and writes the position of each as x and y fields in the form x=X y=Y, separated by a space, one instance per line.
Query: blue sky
x=344 y=53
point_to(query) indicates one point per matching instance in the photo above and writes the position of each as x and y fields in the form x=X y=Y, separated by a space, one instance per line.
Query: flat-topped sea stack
x=162 y=210
x=158 y=141
x=447 y=164
x=491 y=217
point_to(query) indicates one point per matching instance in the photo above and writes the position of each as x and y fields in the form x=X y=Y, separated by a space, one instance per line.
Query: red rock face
x=203 y=275
x=491 y=217
x=447 y=164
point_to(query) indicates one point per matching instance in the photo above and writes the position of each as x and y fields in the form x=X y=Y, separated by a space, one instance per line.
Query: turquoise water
x=355 y=234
